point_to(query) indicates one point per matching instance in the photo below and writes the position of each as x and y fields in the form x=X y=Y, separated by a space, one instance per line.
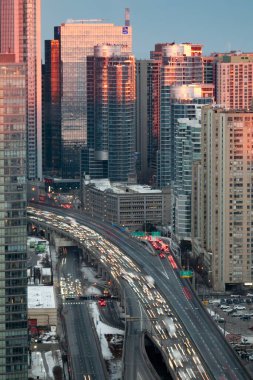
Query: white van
x=215 y=302
x=223 y=307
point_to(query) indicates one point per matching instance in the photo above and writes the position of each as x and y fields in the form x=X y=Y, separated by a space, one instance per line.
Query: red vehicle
x=172 y=262
x=162 y=255
x=102 y=302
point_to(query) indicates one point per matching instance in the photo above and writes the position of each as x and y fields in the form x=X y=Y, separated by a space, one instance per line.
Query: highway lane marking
x=202 y=323
x=164 y=271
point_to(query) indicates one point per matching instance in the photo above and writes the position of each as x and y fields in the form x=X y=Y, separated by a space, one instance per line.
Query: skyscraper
x=223 y=232
x=187 y=150
x=13 y=277
x=234 y=80
x=147 y=118
x=182 y=65
x=110 y=113
x=51 y=124
x=32 y=58
x=20 y=146
x=12 y=28
x=20 y=35
x=77 y=41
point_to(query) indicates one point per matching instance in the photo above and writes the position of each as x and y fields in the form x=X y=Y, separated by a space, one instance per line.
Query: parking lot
x=234 y=316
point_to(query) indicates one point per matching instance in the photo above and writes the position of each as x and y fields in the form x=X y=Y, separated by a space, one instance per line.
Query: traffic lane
x=85 y=356
x=80 y=362
x=187 y=319
x=71 y=265
x=212 y=331
x=135 y=366
x=213 y=344
x=209 y=330
x=92 y=348
x=110 y=314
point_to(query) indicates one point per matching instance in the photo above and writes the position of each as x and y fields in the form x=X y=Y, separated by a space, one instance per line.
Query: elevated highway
x=198 y=349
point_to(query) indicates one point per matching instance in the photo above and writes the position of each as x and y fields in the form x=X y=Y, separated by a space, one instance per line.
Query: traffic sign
x=156 y=233
x=186 y=273
x=138 y=233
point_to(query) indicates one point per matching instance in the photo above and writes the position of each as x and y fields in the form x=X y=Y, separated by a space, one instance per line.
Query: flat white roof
x=46 y=271
x=41 y=297
x=120 y=187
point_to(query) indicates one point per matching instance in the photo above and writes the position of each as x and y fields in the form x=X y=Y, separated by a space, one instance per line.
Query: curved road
x=218 y=356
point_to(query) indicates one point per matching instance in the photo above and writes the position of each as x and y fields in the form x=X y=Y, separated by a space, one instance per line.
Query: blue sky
x=220 y=25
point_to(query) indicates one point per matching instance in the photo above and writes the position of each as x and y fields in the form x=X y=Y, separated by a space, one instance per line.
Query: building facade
x=182 y=66
x=12 y=28
x=234 y=80
x=13 y=278
x=77 y=41
x=126 y=205
x=147 y=118
x=187 y=150
x=224 y=218
x=32 y=59
x=176 y=102
x=111 y=112
x=51 y=125
x=21 y=35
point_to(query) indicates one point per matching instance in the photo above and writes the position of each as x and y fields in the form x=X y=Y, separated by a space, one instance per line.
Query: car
x=238 y=307
x=222 y=307
x=229 y=310
x=162 y=256
x=245 y=317
x=102 y=302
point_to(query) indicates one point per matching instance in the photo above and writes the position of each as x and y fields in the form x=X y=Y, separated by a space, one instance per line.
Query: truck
x=150 y=281
x=70 y=221
x=170 y=326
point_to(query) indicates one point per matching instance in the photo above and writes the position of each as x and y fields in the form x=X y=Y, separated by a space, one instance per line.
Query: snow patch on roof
x=41 y=297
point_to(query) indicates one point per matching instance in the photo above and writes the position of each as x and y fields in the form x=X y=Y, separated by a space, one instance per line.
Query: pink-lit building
x=32 y=58
x=20 y=34
x=77 y=41
x=20 y=130
x=111 y=99
x=11 y=28
x=234 y=84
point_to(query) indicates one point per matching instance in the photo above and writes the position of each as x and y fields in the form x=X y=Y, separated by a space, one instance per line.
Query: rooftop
x=41 y=297
x=120 y=187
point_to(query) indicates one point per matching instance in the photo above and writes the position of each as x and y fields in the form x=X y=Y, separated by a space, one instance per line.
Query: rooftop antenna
x=127 y=17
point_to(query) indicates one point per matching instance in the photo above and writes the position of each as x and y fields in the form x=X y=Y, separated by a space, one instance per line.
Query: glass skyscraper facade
x=77 y=41
x=187 y=149
x=32 y=58
x=20 y=157
x=13 y=277
x=12 y=28
x=182 y=67
x=51 y=118
x=20 y=35
x=147 y=118
x=111 y=112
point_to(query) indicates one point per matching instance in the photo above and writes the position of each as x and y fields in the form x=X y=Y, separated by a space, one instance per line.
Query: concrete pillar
x=100 y=270
x=104 y=274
